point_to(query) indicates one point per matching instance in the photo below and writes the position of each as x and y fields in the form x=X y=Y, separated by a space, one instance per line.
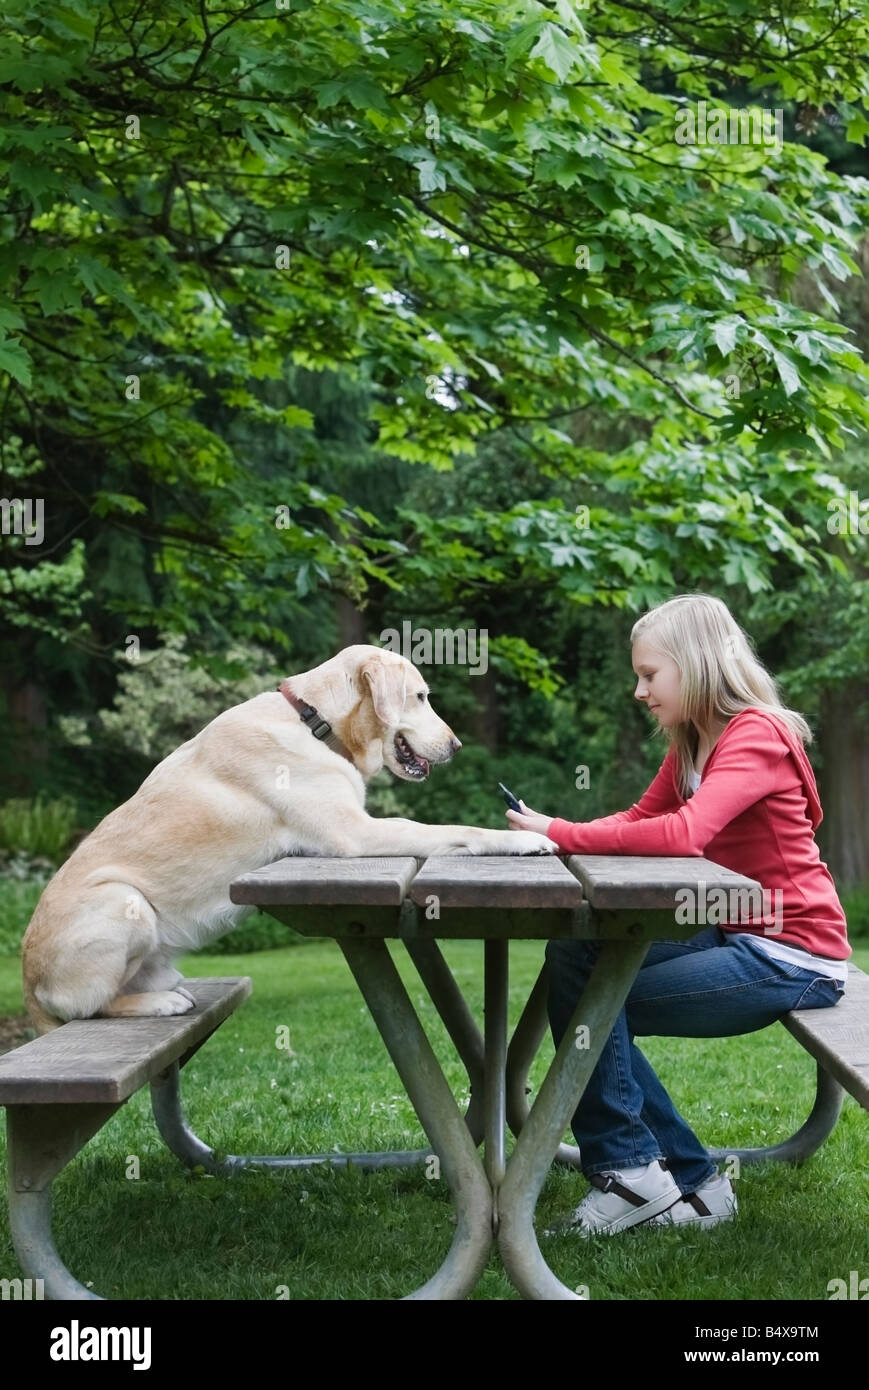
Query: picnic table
x=626 y=902
x=61 y=1089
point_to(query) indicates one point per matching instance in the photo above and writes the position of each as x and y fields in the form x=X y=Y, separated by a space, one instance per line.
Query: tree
x=488 y=220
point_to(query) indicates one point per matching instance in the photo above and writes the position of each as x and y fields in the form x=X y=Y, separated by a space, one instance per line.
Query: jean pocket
x=820 y=993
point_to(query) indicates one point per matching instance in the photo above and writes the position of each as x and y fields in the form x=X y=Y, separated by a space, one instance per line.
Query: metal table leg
x=429 y=1092
x=494 y=1089
x=524 y=1044
x=511 y=1205
x=457 y=1019
x=606 y=990
x=459 y=1022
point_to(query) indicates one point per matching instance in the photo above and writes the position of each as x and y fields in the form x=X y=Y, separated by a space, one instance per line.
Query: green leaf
x=556 y=51
x=724 y=335
x=856 y=129
x=521 y=41
x=297 y=417
x=54 y=291
x=431 y=178
x=613 y=70
x=567 y=13
x=736 y=231
x=34 y=74
x=106 y=502
x=489 y=367
x=15 y=361
x=790 y=377
x=79 y=24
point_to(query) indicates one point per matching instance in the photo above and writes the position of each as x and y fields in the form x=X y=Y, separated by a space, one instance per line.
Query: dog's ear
x=388 y=684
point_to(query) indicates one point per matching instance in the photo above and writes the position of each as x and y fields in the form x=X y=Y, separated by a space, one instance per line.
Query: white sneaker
x=618 y=1201
x=713 y=1202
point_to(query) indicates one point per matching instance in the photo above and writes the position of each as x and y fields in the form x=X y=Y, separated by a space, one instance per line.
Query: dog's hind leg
x=158 y=976
x=154 y=992
x=155 y=1003
x=112 y=937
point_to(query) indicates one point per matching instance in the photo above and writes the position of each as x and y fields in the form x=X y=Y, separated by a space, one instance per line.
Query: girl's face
x=657 y=682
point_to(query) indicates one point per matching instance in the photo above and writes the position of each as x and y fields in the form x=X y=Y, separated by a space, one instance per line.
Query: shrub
x=40 y=828
x=165 y=698
x=18 y=898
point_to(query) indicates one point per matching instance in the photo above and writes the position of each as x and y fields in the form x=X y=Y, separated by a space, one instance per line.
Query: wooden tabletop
x=511 y=895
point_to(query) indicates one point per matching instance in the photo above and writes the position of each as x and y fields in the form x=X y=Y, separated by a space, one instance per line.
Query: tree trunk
x=351 y=623
x=26 y=733
x=843 y=782
x=485 y=720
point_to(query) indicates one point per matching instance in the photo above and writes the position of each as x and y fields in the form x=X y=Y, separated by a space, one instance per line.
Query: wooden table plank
x=496 y=880
x=634 y=880
x=107 y=1059
x=327 y=880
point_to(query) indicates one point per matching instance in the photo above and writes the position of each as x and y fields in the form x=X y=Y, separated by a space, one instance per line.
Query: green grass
x=341 y=1234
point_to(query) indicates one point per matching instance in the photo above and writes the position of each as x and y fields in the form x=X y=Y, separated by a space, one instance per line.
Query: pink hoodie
x=755 y=811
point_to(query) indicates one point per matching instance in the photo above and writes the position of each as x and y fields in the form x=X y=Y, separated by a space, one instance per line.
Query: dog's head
x=412 y=735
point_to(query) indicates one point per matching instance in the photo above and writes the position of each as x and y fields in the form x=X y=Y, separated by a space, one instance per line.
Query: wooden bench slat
x=107 y=1059
x=496 y=880
x=637 y=881
x=838 y=1037
x=327 y=881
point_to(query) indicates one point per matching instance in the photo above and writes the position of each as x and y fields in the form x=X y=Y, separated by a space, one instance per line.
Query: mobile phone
x=511 y=799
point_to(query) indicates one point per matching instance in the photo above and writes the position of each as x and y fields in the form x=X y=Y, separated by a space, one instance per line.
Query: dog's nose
x=455 y=745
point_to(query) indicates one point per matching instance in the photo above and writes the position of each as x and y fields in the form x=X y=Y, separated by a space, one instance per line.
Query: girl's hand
x=529 y=820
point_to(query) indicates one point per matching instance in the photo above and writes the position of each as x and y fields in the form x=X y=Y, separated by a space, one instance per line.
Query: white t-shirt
x=819 y=965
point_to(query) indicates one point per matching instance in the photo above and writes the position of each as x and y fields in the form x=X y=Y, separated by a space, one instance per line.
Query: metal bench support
x=184 y=1144
x=825 y=1112
x=459 y=1022
x=829 y=1096
x=41 y=1141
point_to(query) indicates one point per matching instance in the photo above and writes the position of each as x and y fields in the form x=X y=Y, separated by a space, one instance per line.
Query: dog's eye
x=421 y=695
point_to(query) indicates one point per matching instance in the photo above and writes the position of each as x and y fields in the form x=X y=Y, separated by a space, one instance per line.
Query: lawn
x=328 y=1233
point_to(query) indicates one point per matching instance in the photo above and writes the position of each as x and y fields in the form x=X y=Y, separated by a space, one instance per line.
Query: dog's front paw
x=529 y=842
x=179 y=989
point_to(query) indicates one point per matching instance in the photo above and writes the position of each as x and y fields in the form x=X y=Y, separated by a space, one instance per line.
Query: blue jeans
x=716 y=984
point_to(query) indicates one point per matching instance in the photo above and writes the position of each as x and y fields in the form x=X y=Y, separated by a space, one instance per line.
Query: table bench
x=61 y=1088
x=838 y=1039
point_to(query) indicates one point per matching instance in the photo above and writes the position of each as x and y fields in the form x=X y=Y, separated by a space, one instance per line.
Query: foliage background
x=294 y=348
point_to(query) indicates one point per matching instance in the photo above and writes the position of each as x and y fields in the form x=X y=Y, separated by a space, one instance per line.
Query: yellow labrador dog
x=283 y=773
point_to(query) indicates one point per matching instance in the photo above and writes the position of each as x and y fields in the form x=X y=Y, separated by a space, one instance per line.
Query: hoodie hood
x=804 y=767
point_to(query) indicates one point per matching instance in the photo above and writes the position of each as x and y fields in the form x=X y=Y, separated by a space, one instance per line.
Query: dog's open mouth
x=412 y=763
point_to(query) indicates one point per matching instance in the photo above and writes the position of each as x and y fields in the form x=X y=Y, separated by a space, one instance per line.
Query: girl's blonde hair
x=720 y=673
